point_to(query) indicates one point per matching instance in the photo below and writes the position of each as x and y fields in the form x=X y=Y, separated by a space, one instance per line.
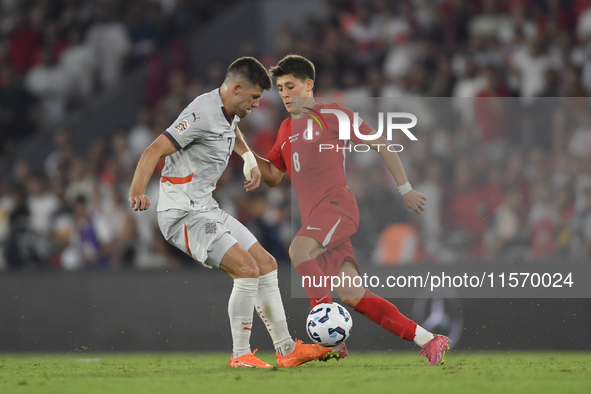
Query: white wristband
x=249 y=163
x=404 y=188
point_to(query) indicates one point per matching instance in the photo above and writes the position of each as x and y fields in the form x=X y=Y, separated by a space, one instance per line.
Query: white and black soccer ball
x=329 y=324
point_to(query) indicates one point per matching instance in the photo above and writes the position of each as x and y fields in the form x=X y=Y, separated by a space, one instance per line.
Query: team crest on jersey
x=211 y=228
x=182 y=126
x=311 y=135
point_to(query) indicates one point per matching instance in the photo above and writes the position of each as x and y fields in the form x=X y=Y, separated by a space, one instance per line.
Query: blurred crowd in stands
x=507 y=175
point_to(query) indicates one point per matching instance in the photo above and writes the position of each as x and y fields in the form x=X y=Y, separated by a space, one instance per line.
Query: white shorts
x=205 y=236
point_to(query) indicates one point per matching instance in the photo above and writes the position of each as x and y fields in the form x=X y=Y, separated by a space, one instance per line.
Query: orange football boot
x=304 y=353
x=247 y=361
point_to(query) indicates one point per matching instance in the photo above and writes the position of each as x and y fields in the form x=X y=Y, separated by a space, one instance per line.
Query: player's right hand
x=139 y=203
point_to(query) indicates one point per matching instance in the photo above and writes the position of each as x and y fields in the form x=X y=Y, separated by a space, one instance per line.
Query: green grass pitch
x=366 y=373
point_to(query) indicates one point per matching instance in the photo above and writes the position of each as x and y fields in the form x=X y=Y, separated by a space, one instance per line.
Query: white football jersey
x=204 y=136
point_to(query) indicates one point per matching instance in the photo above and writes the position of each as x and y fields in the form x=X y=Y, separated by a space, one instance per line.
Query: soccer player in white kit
x=197 y=147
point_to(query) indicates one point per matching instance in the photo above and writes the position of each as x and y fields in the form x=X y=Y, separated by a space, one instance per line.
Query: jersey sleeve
x=275 y=155
x=189 y=127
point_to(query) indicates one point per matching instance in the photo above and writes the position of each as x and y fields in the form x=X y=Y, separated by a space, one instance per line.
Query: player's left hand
x=255 y=179
x=415 y=201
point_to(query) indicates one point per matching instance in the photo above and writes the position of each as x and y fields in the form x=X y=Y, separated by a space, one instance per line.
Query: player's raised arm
x=160 y=148
x=413 y=199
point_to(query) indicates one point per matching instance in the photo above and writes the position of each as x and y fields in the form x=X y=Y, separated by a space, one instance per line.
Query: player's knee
x=303 y=249
x=298 y=255
x=267 y=264
x=271 y=264
x=246 y=268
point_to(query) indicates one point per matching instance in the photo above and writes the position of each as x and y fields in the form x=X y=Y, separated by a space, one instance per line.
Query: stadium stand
x=498 y=188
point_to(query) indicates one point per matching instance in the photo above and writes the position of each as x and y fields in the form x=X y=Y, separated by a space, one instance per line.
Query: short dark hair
x=250 y=69
x=295 y=65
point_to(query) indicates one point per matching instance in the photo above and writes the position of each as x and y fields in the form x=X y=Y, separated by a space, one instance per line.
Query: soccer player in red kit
x=329 y=211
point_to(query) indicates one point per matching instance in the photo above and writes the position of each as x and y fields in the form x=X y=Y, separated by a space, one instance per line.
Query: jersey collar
x=230 y=120
x=226 y=115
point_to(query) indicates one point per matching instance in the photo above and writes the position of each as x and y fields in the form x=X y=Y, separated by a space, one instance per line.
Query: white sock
x=240 y=312
x=422 y=336
x=269 y=307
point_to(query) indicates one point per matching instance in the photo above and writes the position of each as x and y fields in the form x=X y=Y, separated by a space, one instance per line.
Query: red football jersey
x=317 y=175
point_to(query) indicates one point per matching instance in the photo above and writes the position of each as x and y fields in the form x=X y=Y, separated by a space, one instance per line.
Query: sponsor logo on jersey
x=182 y=126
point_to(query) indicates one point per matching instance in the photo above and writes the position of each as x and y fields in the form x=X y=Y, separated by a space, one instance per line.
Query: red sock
x=316 y=294
x=384 y=313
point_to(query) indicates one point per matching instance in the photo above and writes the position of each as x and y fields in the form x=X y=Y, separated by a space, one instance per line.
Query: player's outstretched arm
x=160 y=148
x=412 y=198
x=270 y=174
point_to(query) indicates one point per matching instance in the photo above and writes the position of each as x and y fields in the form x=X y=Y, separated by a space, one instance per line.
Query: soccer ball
x=329 y=324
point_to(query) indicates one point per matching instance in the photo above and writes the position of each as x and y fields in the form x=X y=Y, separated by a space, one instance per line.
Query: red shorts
x=332 y=229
